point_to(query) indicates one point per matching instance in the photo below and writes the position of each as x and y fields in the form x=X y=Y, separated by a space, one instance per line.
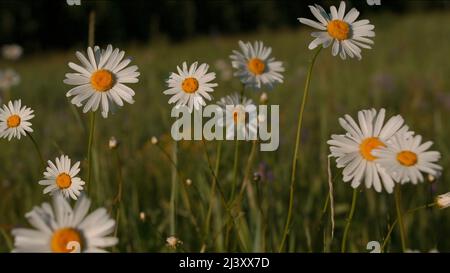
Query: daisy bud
x=256 y=177
x=431 y=178
x=264 y=98
x=188 y=182
x=173 y=242
x=154 y=140
x=443 y=200
x=113 y=143
x=142 y=216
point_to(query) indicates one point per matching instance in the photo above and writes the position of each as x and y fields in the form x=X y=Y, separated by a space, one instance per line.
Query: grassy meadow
x=407 y=72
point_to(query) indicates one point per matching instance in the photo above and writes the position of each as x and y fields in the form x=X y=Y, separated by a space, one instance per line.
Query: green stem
x=246 y=181
x=236 y=155
x=77 y=116
x=218 y=186
x=89 y=149
x=186 y=198
x=213 y=191
x=235 y=169
x=91 y=29
x=349 y=221
x=232 y=219
x=118 y=199
x=391 y=228
x=174 y=191
x=398 y=206
x=38 y=150
x=262 y=221
x=287 y=225
x=325 y=206
x=7 y=239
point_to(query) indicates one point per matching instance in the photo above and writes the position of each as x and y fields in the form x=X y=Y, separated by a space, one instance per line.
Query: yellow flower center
x=102 y=80
x=256 y=66
x=62 y=237
x=367 y=145
x=407 y=158
x=189 y=85
x=63 y=181
x=13 y=121
x=338 y=29
x=235 y=116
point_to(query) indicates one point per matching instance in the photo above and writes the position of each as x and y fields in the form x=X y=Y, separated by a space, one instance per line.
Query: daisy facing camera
x=101 y=79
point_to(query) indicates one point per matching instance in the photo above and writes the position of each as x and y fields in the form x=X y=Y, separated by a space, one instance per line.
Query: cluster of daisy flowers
x=381 y=153
x=372 y=151
x=192 y=86
x=100 y=84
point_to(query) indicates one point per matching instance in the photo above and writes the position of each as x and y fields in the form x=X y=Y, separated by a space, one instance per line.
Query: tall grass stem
x=174 y=191
x=288 y=222
x=401 y=225
x=349 y=221
x=38 y=150
x=89 y=148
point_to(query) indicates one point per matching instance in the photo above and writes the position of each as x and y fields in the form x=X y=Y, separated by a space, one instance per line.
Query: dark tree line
x=49 y=24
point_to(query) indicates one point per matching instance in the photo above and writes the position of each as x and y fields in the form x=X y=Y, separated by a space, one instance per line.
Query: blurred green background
x=406 y=72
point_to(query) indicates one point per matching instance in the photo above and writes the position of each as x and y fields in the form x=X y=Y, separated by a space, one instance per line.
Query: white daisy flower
x=405 y=157
x=12 y=52
x=342 y=30
x=61 y=228
x=101 y=80
x=14 y=120
x=234 y=109
x=8 y=79
x=255 y=67
x=191 y=86
x=354 y=149
x=61 y=178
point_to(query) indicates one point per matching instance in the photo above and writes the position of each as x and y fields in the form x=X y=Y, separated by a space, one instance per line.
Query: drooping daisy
x=61 y=228
x=191 y=86
x=236 y=117
x=101 y=79
x=353 y=150
x=342 y=30
x=255 y=67
x=405 y=157
x=14 y=120
x=61 y=178
x=443 y=200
